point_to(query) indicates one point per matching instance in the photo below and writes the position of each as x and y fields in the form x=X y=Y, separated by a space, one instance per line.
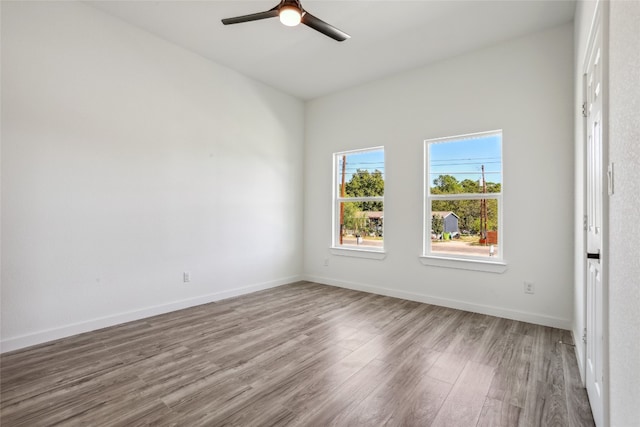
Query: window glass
x=463 y=196
x=359 y=199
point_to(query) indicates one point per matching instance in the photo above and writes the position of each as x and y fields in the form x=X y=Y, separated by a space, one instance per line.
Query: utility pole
x=483 y=211
x=342 y=194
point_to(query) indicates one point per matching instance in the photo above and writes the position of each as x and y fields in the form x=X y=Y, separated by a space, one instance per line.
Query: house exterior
x=450 y=221
x=374 y=221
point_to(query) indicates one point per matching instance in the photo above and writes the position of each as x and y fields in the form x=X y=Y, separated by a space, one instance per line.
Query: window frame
x=353 y=251
x=496 y=263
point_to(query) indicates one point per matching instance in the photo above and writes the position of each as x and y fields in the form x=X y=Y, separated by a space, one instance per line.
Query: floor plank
x=301 y=354
x=464 y=403
x=578 y=409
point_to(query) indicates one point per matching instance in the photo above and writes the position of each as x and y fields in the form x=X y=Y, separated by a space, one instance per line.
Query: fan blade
x=271 y=13
x=328 y=30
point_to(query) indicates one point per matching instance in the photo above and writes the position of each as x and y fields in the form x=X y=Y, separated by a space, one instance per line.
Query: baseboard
x=523 y=316
x=40 y=337
x=577 y=339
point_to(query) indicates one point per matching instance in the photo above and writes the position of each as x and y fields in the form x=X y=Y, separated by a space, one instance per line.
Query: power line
x=371 y=171
x=463 y=173
x=443 y=163
x=470 y=158
x=367 y=163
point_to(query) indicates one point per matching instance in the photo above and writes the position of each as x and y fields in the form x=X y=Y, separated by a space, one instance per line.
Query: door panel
x=594 y=188
x=594 y=373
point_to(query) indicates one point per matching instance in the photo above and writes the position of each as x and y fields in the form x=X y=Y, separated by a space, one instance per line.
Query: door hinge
x=585 y=222
x=584 y=109
x=584 y=336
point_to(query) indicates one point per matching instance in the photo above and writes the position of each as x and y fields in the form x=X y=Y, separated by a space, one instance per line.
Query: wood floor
x=305 y=355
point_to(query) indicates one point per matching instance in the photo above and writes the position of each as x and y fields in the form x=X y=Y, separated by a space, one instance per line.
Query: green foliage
x=446 y=184
x=445 y=206
x=352 y=218
x=493 y=187
x=356 y=221
x=467 y=210
x=437 y=224
x=449 y=184
x=470 y=186
x=492 y=214
x=366 y=184
x=363 y=184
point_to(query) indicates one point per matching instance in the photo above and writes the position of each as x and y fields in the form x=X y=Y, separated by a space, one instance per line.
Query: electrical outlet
x=326 y=262
x=529 y=288
x=186 y=277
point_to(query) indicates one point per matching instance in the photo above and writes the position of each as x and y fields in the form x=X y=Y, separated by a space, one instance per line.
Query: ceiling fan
x=291 y=14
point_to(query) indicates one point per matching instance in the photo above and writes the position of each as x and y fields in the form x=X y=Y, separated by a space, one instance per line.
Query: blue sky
x=464 y=158
x=461 y=158
x=369 y=160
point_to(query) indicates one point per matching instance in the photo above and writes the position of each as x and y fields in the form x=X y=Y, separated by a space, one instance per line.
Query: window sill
x=465 y=264
x=359 y=253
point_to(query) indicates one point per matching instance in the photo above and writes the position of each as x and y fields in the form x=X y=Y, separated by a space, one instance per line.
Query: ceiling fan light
x=290 y=16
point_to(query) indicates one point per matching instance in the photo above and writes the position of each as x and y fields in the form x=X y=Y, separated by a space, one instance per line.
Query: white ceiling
x=387 y=37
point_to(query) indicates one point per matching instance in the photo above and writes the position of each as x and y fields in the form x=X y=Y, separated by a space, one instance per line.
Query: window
x=358 y=215
x=463 y=197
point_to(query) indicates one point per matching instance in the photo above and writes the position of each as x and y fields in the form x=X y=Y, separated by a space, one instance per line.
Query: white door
x=594 y=167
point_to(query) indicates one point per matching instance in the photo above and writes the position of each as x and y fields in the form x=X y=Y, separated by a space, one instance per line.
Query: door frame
x=602 y=14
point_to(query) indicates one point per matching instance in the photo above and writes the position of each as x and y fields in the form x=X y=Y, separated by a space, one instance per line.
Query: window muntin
x=463 y=197
x=358 y=220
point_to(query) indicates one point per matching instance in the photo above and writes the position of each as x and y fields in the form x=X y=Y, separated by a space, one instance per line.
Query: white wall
x=127 y=160
x=525 y=87
x=624 y=152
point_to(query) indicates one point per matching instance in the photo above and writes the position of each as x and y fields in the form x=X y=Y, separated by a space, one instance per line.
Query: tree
x=493 y=187
x=437 y=224
x=366 y=184
x=446 y=184
x=467 y=210
x=492 y=214
x=351 y=217
x=470 y=186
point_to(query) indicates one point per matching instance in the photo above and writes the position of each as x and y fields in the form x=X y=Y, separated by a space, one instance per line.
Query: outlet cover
x=529 y=288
